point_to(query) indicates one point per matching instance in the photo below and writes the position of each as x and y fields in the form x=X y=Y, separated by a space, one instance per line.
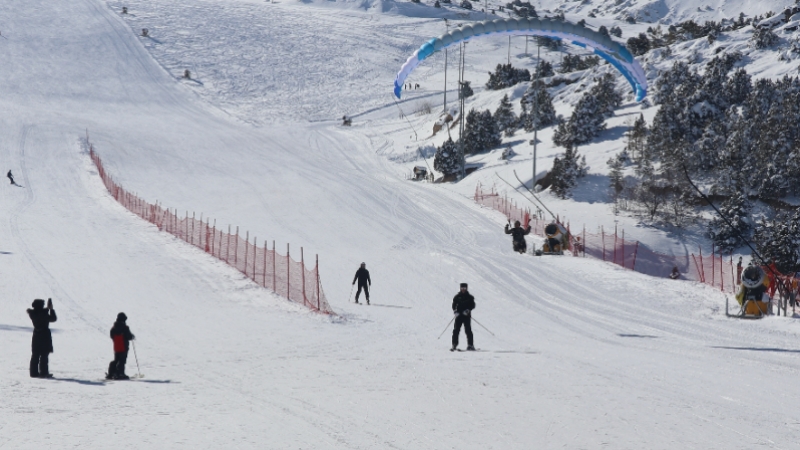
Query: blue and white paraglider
x=605 y=47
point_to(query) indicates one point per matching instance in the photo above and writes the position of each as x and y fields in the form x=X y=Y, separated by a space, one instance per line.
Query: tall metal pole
x=509 y=50
x=463 y=113
x=447 y=25
x=536 y=114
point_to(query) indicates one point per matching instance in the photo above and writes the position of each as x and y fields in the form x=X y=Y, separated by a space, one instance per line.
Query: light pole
x=463 y=119
x=536 y=114
x=447 y=25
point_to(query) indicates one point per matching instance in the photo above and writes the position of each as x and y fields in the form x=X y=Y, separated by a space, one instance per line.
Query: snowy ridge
x=585 y=355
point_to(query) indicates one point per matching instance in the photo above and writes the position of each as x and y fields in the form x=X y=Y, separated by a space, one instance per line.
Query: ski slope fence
x=286 y=277
x=614 y=248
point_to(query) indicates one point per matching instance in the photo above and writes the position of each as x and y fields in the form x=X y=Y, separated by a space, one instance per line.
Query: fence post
x=191 y=241
x=236 y=250
x=584 y=240
x=288 y=265
x=702 y=270
x=316 y=270
x=208 y=246
x=635 y=251
x=615 y=244
x=603 y=239
x=246 y=244
x=713 y=271
x=721 y=278
x=265 y=263
x=303 y=277
x=255 y=253
x=274 y=275
x=623 y=249
x=228 y=250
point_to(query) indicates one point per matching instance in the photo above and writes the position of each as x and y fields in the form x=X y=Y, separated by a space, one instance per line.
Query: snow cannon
x=557 y=240
x=752 y=295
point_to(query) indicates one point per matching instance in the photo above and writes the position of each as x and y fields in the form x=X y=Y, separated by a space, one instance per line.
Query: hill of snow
x=584 y=354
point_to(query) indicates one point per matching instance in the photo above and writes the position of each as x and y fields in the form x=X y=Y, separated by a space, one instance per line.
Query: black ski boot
x=471 y=348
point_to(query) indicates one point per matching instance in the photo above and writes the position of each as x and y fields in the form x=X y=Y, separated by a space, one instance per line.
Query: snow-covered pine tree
x=603 y=30
x=480 y=132
x=586 y=122
x=778 y=240
x=639 y=45
x=506 y=76
x=566 y=171
x=447 y=159
x=507 y=121
x=615 y=177
x=537 y=107
x=616 y=31
x=735 y=208
x=636 y=144
x=543 y=69
x=763 y=38
x=606 y=94
x=466 y=4
x=738 y=87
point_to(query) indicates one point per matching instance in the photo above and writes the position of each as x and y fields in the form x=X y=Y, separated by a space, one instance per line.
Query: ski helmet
x=752 y=277
x=121 y=317
x=464 y=285
x=38 y=304
x=516 y=223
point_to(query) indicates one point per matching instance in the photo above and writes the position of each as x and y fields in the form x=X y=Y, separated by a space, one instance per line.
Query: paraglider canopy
x=605 y=47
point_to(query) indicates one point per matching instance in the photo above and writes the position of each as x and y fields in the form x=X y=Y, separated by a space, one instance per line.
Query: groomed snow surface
x=586 y=355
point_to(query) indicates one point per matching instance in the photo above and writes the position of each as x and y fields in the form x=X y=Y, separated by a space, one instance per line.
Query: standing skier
x=364 y=282
x=121 y=335
x=463 y=304
x=11 y=177
x=42 y=342
x=518 y=236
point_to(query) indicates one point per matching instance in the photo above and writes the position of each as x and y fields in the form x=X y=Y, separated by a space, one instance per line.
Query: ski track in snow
x=586 y=355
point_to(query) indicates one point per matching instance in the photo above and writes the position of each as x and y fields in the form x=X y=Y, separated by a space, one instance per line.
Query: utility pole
x=463 y=119
x=509 y=50
x=536 y=114
x=447 y=25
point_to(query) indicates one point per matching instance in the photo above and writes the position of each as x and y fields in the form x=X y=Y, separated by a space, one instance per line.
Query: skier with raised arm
x=518 y=236
x=42 y=342
x=364 y=282
x=463 y=304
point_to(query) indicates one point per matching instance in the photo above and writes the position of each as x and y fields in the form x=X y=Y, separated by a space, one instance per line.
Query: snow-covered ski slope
x=586 y=355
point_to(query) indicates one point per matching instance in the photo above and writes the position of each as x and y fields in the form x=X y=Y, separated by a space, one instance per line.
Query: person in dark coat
x=362 y=275
x=463 y=304
x=121 y=335
x=42 y=342
x=518 y=236
x=11 y=177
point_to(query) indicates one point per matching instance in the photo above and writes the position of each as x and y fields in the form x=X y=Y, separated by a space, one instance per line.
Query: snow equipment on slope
x=782 y=287
x=752 y=295
x=603 y=46
x=557 y=240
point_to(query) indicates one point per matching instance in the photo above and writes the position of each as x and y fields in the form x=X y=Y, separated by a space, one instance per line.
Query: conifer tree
x=537 y=107
x=504 y=116
x=447 y=159
x=735 y=208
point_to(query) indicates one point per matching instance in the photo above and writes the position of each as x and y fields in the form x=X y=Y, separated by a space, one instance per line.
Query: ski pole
x=139 y=375
x=351 y=293
x=448 y=326
x=483 y=326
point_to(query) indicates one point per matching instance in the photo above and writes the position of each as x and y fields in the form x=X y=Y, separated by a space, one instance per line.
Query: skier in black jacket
x=11 y=177
x=42 y=342
x=463 y=304
x=121 y=335
x=518 y=235
x=362 y=275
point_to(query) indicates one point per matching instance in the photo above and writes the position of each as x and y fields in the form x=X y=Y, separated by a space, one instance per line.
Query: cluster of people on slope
x=42 y=342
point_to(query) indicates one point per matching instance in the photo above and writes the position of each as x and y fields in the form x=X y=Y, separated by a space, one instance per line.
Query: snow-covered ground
x=585 y=355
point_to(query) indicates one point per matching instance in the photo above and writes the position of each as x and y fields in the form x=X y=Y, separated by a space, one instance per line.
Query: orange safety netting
x=266 y=267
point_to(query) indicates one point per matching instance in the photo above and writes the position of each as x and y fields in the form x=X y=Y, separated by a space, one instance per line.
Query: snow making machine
x=556 y=240
x=753 y=296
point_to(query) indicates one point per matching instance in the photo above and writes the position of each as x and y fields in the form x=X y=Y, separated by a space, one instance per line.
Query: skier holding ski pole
x=463 y=304
x=121 y=335
x=364 y=282
x=518 y=236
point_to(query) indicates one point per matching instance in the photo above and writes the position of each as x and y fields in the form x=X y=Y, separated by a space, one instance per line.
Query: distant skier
x=121 y=335
x=518 y=236
x=11 y=177
x=675 y=274
x=42 y=342
x=463 y=304
x=364 y=282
